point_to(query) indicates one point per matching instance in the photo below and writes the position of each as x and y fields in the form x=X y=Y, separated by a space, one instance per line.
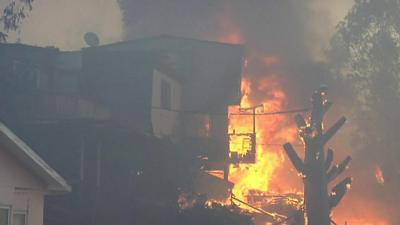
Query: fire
x=230 y=32
x=234 y=38
x=271 y=60
x=270 y=132
x=265 y=177
x=186 y=200
x=272 y=174
x=379 y=175
x=360 y=213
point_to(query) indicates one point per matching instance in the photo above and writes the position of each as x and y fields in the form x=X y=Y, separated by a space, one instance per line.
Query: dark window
x=165 y=95
x=4 y=215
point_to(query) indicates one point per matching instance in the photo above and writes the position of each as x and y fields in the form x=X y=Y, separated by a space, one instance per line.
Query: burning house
x=203 y=79
x=135 y=123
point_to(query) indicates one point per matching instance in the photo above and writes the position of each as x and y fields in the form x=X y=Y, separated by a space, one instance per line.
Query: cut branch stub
x=294 y=158
x=338 y=169
x=339 y=191
x=300 y=121
x=329 y=159
x=332 y=173
x=332 y=131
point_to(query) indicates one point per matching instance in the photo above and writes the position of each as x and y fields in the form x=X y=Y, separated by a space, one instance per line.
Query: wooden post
x=315 y=166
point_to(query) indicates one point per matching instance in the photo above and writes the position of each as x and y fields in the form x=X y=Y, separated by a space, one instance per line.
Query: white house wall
x=165 y=121
x=20 y=190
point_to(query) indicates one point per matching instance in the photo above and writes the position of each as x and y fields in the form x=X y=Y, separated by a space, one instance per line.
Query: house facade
x=129 y=124
x=210 y=76
x=25 y=180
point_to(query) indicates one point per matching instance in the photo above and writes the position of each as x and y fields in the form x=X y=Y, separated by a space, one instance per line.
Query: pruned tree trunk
x=315 y=166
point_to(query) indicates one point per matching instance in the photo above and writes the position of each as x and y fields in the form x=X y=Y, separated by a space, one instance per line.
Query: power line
x=272 y=113
x=268 y=144
x=233 y=114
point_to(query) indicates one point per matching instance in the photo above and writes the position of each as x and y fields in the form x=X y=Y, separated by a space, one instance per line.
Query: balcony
x=48 y=106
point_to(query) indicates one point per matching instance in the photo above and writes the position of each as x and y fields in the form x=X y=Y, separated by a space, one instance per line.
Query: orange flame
x=266 y=174
x=234 y=38
x=270 y=132
x=379 y=176
x=271 y=60
x=272 y=172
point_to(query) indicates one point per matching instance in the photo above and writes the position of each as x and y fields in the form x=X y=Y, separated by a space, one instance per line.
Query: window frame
x=9 y=208
x=165 y=95
x=20 y=212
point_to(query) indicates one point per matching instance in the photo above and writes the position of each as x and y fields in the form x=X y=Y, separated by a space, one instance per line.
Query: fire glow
x=272 y=174
x=379 y=176
x=264 y=177
x=257 y=176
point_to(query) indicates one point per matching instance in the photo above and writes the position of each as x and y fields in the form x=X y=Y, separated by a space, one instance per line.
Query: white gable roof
x=24 y=154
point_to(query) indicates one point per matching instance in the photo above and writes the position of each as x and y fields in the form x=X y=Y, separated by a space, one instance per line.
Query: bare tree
x=316 y=167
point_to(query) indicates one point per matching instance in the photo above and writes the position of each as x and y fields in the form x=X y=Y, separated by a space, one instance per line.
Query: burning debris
x=252 y=177
x=196 y=209
x=249 y=135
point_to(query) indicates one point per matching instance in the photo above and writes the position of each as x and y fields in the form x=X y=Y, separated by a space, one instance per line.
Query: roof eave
x=38 y=166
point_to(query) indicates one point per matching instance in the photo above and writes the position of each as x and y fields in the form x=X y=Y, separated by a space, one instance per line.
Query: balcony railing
x=49 y=106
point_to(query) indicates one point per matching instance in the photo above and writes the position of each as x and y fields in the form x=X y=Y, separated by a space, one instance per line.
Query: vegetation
x=13 y=13
x=365 y=52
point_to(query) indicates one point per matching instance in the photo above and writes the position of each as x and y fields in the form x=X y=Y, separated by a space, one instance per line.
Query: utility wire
x=233 y=114
x=268 y=144
x=272 y=113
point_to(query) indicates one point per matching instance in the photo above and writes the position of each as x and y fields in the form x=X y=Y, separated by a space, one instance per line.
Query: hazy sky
x=63 y=23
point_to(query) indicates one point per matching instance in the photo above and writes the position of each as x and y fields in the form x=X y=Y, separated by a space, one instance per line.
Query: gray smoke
x=296 y=32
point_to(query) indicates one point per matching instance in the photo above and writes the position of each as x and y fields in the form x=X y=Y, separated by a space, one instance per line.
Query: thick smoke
x=63 y=23
x=291 y=34
x=288 y=28
x=294 y=31
x=294 y=35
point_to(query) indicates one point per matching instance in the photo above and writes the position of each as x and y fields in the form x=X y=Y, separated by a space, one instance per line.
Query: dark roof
x=25 y=46
x=211 y=70
x=164 y=36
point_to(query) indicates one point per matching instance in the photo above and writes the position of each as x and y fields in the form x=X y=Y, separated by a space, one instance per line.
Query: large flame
x=272 y=173
x=270 y=133
x=266 y=174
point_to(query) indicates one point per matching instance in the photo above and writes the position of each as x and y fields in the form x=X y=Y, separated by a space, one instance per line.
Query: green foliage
x=366 y=46
x=13 y=14
x=365 y=52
